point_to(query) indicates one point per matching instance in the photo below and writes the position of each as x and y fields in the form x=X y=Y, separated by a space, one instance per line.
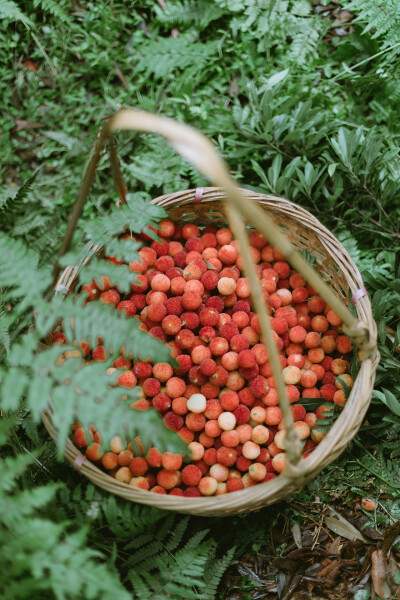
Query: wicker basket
x=304 y=232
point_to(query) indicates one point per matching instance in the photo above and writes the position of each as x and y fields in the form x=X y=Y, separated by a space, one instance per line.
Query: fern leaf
x=97 y=319
x=214 y=572
x=11 y=12
x=196 y=539
x=136 y=215
x=305 y=41
x=143 y=560
x=383 y=18
x=13 y=204
x=189 y=12
x=55 y=8
x=11 y=469
x=83 y=393
x=142 y=591
x=163 y=56
x=19 y=272
x=176 y=534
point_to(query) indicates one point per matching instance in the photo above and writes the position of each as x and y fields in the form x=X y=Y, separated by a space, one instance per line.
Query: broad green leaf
x=275 y=79
x=392 y=402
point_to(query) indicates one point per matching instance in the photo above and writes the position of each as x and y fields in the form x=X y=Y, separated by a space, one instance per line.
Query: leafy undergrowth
x=297 y=111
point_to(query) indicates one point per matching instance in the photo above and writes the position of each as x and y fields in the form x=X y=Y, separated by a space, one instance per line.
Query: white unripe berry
x=291 y=375
x=197 y=403
x=227 y=421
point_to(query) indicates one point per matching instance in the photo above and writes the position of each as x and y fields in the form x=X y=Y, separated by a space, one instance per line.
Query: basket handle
x=198 y=150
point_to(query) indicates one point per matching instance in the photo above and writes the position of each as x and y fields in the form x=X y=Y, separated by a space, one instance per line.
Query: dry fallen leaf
x=345 y=529
x=21 y=124
x=297 y=535
x=334 y=547
x=343 y=17
x=378 y=573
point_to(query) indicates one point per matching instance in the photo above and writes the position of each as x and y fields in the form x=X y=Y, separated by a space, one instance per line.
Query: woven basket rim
x=353 y=412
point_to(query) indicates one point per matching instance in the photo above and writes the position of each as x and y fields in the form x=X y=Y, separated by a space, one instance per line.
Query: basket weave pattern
x=336 y=267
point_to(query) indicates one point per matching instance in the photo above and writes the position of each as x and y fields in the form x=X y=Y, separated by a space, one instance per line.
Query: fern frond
x=283 y=24
x=12 y=205
x=136 y=215
x=163 y=56
x=196 y=539
x=129 y=521
x=214 y=572
x=19 y=272
x=185 y=571
x=382 y=19
x=305 y=41
x=177 y=534
x=189 y=12
x=11 y=12
x=142 y=591
x=83 y=393
x=97 y=319
x=55 y=8
x=47 y=238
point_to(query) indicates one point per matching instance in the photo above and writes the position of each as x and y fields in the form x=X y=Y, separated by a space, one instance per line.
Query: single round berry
x=226 y=286
x=257 y=471
x=227 y=456
x=273 y=415
x=191 y=475
x=197 y=403
x=207 y=486
x=251 y=450
x=227 y=421
x=260 y=434
x=151 y=387
x=247 y=359
x=127 y=379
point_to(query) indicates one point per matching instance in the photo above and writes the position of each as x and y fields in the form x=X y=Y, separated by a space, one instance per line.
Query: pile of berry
x=221 y=399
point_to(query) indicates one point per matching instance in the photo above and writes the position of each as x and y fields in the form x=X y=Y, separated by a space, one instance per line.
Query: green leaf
x=391 y=401
x=10 y=11
x=275 y=79
x=62 y=138
x=332 y=168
